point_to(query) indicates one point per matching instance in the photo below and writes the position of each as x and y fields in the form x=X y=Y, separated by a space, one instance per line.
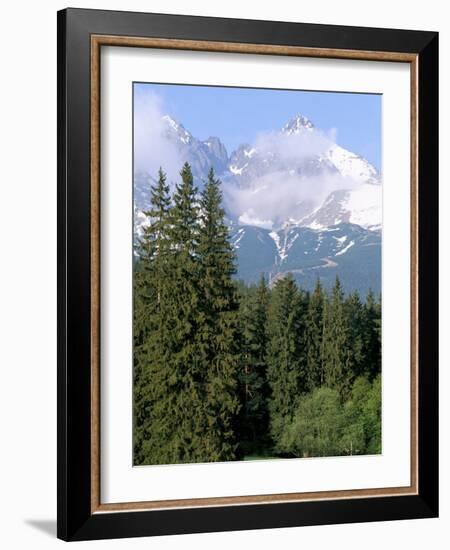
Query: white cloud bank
x=283 y=192
x=152 y=149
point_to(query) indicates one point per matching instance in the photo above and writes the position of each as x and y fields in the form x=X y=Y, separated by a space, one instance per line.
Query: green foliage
x=315 y=426
x=187 y=358
x=254 y=389
x=337 y=344
x=184 y=217
x=150 y=292
x=218 y=328
x=222 y=370
x=313 y=339
x=372 y=417
x=285 y=358
x=169 y=417
x=325 y=426
x=371 y=331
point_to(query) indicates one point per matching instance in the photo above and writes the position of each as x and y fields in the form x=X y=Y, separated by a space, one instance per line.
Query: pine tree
x=184 y=216
x=172 y=396
x=354 y=312
x=285 y=359
x=313 y=338
x=218 y=332
x=372 y=336
x=150 y=293
x=336 y=344
x=254 y=389
x=185 y=401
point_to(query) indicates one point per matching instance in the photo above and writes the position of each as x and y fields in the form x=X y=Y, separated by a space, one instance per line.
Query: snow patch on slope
x=364 y=205
x=237 y=171
x=238 y=238
x=352 y=166
x=340 y=240
x=344 y=250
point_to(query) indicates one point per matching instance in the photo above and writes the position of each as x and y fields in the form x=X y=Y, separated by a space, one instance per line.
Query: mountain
x=300 y=155
x=201 y=155
x=347 y=250
x=296 y=202
x=361 y=206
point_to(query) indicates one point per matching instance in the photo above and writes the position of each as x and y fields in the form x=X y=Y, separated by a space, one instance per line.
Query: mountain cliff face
x=296 y=202
x=201 y=155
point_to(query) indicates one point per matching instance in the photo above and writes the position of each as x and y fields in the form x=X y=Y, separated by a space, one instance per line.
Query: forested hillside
x=227 y=371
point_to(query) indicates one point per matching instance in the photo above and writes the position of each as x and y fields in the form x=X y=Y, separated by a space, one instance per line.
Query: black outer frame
x=75 y=521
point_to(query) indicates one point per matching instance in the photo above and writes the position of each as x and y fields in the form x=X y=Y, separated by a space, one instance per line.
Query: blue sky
x=238 y=115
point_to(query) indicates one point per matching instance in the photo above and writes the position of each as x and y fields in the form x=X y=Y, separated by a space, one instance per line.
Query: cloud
x=297 y=180
x=294 y=147
x=248 y=218
x=152 y=149
x=278 y=197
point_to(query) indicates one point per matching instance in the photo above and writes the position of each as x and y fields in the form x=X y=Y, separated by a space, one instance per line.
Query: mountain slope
x=322 y=183
x=361 y=206
x=347 y=250
x=296 y=202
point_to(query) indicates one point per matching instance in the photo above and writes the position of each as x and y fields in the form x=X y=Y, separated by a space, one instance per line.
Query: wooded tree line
x=224 y=371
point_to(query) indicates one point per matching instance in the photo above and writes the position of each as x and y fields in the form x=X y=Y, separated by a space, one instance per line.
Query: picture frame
x=81 y=36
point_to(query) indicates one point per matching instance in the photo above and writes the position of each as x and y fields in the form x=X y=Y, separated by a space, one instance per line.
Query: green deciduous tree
x=323 y=425
x=315 y=428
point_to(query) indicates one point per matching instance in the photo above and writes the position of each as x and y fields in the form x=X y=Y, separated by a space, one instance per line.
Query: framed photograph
x=247 y=252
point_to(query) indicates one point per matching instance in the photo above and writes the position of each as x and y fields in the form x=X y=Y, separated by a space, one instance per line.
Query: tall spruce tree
x=188 y=366
x=254 y=389
x=173 y=387
x=354 y=312
x=285 y=359
x=336 y=344
x=217 y=331
x=371 y=329
x=313 y=338
x=150 y=335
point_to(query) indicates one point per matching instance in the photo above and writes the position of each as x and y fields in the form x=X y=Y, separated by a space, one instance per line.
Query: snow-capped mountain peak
x=297 y=124
x=174 y=127
x=269 y=182
x=201 y=155
x=217 y=148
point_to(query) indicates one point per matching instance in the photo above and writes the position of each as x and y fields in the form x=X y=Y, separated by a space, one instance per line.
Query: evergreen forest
x=228 y=371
